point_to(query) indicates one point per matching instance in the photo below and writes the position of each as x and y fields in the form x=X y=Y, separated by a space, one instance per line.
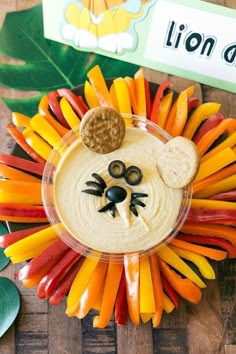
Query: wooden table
x=209 y=327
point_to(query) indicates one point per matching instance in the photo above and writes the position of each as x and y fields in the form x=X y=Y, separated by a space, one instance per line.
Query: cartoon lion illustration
x=104 y=24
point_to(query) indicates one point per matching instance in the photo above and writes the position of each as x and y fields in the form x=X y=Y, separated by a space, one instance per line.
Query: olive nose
x=116 y=194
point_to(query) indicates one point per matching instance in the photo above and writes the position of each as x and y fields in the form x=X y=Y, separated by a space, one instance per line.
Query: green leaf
x=46 y=65
x=3 y=259
x=9 y=304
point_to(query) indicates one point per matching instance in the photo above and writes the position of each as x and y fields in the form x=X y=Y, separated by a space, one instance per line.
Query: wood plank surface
x=207 y=328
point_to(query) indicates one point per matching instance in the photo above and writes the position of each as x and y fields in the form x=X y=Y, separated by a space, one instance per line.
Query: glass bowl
x=96 y=248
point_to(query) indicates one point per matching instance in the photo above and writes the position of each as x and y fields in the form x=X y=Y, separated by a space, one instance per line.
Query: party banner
x=188 y=38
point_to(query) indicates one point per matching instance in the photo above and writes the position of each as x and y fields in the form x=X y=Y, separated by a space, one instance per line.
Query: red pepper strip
x=230 y=195
x=35 y=279
x=121 y=305
x=52 y=253
x=209 y=124
x=56 y=109
x=22 y=213
x=148 y=98
x=8 y=239
x=158 y=96
x=170 y=291
x=193 y=102
x=22 y=164
x=65 y=284
x=51 y=280
x=222 y=216
x=20 y=140
x=214 y=241
x=131 y=263
x=76 y=102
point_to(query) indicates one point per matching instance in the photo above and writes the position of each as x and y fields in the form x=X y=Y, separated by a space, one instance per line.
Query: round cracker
x=178 y=162
x=102 y=129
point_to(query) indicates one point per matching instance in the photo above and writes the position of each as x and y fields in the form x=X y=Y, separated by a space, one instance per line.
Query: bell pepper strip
x=171 y=117
x=80 y=284
x=148 y=98
x=168 y=305
x=10 y=238
x=20 y=140
x=34 y=240
x=20 y=120
x=222 y=216
x=30 y=253
x=54 y=104
x=20 y=192
x=22 y=164
x=146 y=293
x=145 y=317
x=209 y=124
x=213 y=241
x=227 y=125
x=212 y=204
x=37 y=143
x=211 y=253
x=170 y=291
x=201 y=113
x=122 y=95
x=113 y=277
x=12 y=173
x=169 y=256
x=22 y=213
x=205 y=229
x=164 y=109
x=228 y=142
x=131 y=87
x=99 y=85
x=140 y=93
x=121 y=304
x=213 y=178
x=215 y=163
x=51 y=280
x=183 y=286
x=114 y=97
x=131 y=263
x=200 y=261
x=90 y=95
x=92 y=290
x=69 y=114
x=50 y=255
x=77 y=102
x=158 y=290
x=224 y=185
x=227 y=196
x=159 y=95
x=98 y=302
x=34 y=279
x=193 y=102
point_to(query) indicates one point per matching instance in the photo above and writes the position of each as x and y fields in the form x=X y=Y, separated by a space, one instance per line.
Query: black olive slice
x=93 y=192
x=133 y=210
x=95 y=185
x=139 y=195
x=137 y=202
x=116 y=169
x=133 y=175
x=100 y=180
x=106 y=207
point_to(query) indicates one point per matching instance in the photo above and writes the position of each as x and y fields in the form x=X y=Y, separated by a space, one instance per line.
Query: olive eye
x=116 y=169
x=133 y=175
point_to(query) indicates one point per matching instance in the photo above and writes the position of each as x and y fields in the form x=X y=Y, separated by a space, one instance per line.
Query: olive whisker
x=137 y=202
x=96 y=192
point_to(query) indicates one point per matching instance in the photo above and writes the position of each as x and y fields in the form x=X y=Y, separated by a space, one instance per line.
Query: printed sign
x=188 y=38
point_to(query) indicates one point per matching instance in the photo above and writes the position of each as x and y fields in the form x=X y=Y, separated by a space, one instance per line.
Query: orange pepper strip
x=202 y=112
x=211 y=253
x=212 y=204
x=140 y=93
x=15 y=174
x=224 y=185
x=90 y=294
x=164 y=109
x=42 y=127
x=114 y=97
x=228 y=142
x=181 y=114
x=226 y=125
x=20 y=120
x=37 y=143
x=99 y=85
x=98 y=302
x=34 y=279
x=184 y=286
x=90 y=95
x=131 y=263
x=214 y=178
x=168 y=305
x=131 y=87
x=113 y=277
x=222 y=231
x=158 y=290
x=20 y=192
x=122 y=95
x=146 y=293
x=216 y=163
x=31 y=253
x=68 y=113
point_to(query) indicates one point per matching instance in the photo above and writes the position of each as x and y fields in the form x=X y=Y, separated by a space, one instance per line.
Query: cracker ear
x=178 y=162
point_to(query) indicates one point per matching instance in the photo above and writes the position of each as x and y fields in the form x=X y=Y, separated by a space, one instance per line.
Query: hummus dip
x=125 y=232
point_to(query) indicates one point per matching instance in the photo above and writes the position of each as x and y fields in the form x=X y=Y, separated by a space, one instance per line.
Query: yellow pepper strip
x=90 y=95
x=146 y=293
x=224 y=185
x=140 y=93
x=20 y=120
x=181 y=114
x=131 y=263
x=164 y=109
x=41 y=126
x=131 y=87
x=31 y=253
x=99 y=85
x=216 y=163
x=212 y=204
x=169 y=256
x=202 y=112
x=168 y=305
x=34 y=240
x=146 y=317
x=15 y=174
x=122 y=94
x=228 y=142
x=69 y=114
x=114 y=97
x=20 y=192
x=90 y=295
x=112 y=282
x=79 y=285
x=37 y=143
x=200 y=261
x=158 y=290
